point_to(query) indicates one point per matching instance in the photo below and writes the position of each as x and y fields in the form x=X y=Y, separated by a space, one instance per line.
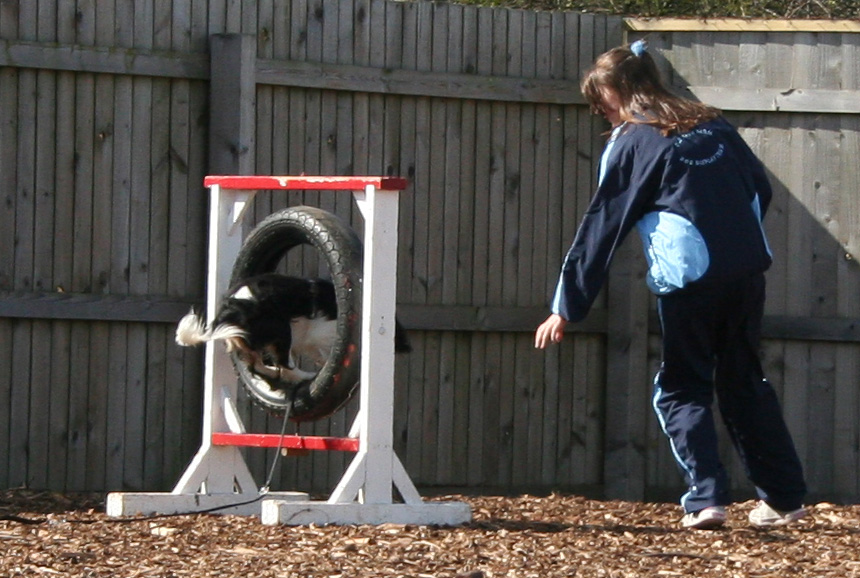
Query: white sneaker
x=763 y=516
x=705 y=519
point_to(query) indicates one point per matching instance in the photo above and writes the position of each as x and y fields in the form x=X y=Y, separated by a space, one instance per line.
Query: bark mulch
x=49 y=534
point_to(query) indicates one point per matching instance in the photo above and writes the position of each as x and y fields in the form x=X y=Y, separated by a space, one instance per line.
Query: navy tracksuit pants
x=711 y=337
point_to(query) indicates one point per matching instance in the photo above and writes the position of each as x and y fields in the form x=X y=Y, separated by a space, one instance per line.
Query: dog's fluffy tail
x=192 y=330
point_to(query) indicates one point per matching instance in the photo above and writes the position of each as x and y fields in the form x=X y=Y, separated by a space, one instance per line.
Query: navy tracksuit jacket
x=697 y=200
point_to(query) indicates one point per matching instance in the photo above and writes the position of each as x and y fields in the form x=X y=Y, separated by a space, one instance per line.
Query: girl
x=683 y=176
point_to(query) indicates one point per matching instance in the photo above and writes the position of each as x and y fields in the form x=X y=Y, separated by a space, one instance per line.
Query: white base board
x=297 y=513
x=120 y=504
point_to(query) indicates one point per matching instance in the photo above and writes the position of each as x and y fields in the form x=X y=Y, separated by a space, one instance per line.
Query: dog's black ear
x=239 y=312
x=401 y=339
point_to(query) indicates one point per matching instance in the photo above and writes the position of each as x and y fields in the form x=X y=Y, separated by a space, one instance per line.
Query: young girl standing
x=679 y=173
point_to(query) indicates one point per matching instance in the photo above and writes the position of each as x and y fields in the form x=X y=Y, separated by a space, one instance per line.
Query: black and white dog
x=270 y=321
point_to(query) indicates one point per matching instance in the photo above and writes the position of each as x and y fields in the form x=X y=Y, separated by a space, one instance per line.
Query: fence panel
x=105 y=130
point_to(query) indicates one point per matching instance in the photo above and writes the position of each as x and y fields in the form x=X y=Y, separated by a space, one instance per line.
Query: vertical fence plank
x=343 y=46
x=87 y=406
x=89 y=422
x=242 y=15
x=436 y=350
x=559 y=378
x=846 y=396
x=430 y=406
x=514 y=398
x=190 y=380
x=25 y=207
x=265 y=128
x=157 y=337
x=280 y=21
x=827 y=185
x=63 y=277
x=483 y=444
x=499 y=288
x=824 y=272
x=8 y=195
x=180 y=189
x=451 y=372
x=120 y=272
x=418 y=56
x=6 y=332
x=280 y=148
x=478 y=36
x=138 y=265
x=43 y=234
x=8 y=172
x=519 y=225
x=43 y=257
x=217 y=17
x=420 y=59
x=540 y=443
x=462 y=239
x=547 y=210
x=299 y=27
x=795 y=396
x=62 y=255
x=402 y=20
x=533 y=247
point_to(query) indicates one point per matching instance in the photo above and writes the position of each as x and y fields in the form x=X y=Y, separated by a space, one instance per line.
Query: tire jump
x=341 y=249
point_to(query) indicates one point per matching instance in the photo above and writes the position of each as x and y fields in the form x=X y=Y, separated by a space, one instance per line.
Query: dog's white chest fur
x=313 y=338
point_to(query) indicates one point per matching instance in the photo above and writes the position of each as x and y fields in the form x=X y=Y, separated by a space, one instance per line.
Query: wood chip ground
x=48 y=534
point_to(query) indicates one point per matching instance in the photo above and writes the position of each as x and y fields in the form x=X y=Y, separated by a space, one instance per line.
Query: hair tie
x=639 y=47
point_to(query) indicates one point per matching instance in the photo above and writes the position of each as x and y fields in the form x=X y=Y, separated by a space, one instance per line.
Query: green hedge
x=772 y=9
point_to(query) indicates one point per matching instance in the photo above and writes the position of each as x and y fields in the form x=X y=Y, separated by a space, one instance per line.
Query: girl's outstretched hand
x=550 y=331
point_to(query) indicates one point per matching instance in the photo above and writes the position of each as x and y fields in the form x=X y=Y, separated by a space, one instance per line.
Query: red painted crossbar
x=255 y=182
x=287 y=442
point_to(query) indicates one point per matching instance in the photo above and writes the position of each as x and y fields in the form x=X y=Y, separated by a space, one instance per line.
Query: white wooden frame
x=218 y=476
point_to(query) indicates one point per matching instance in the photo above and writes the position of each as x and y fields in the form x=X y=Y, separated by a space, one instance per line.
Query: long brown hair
x=634 y=77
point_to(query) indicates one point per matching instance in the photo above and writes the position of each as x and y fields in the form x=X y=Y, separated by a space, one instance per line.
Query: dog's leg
x=265 y=371
x=281 y=350
x=255 y=364
x=295 y=374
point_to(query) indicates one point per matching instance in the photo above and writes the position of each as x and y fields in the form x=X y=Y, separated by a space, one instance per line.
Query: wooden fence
x=109 y=119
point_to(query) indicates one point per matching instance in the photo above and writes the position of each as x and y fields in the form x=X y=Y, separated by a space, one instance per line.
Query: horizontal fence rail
x=154 y=309
x=341 y=77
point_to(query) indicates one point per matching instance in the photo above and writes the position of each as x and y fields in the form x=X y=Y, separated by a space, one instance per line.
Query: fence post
x=232 y=104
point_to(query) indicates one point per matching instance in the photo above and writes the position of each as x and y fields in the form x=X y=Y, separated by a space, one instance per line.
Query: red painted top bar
x=254 y=182
x=287 y=442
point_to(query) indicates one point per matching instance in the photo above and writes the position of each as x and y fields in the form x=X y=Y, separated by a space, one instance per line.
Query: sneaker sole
x=783 y=521
x=706 y=523
x=712 y=524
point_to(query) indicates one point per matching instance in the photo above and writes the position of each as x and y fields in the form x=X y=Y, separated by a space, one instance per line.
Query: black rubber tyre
x=341 y=248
